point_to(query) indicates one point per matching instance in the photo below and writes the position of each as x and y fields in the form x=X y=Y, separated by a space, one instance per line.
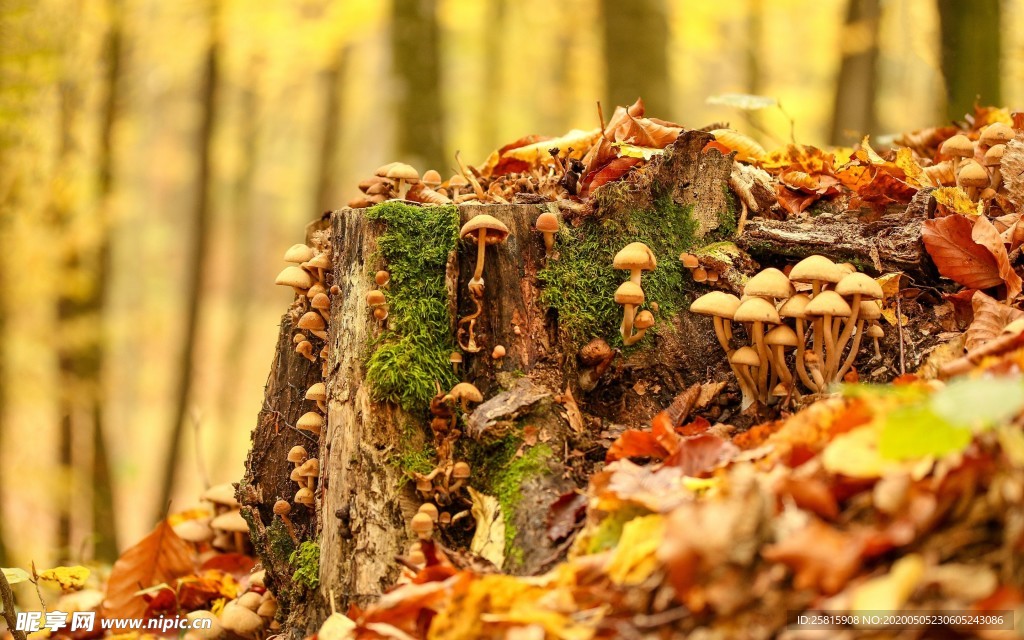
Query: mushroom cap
x=869 y=310
x=461 y=470
x=297 y=454
x=457 y=181
x=194 y=530
x=828 y=303
x=315 y=290
x=994 y=155
x=298 y=253
x=317 y=392
x=747 y=356
x=221 y=494
x=959 y=146
x=466 y=391
x=716 y=303
x=635 y=255
x=547 y=222
x=795 y=306
x=296 y=475
x=366 y=183
x=455 y=358
x=422 y=523
x=431 y=178
x=996 y=133
x=310 y=468
x=312 y=321
x=780 y=391
x=241 y=620
x=770 y=283
x=875 y=331
x=781 y=335
x=594 y=352
x=430 y=509
x=267 y=608
x=860 y=283
x=320 y=301
x=818 y=268
x=282 y=508
x=644 y=320
x=375 y=297
x=319 y=261
x=382 y=171
x=250 y=600
x=689 y=260
x=311 y=421
x=402 y=171
x=380 y=313
x=294 y=277
x=972 y=175
x=304 y=496
x=215 y=631
x=498 y=351
x=230 y=521
x=495 y=229
x=756 y=310
x=629 y=293
x=382 y=277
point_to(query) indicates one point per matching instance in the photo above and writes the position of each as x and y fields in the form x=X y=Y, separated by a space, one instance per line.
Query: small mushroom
x=958 y=147
x=498 y=352
x=431 y=178
x=771 y=284
x=311 y=421
x=824 y=307
x=461 y=472
x=298 y=253
x=281 y=509
x=795 y=308
x=759 y=312
x=457 y=183
x=547 y=224
x=297 y=455
x=777 y=340
x=689 y=260
x=306 y=349
x=322 y=303
x=972 y=177
x=637 y=257
x=875 y=332
x=313 y=322
x=241 y=620
x=456 y=359
x=741 y=360
x=233 y=522
x=222 y=496
x=994 y=159
x=484 y=230
x=319 y=263
x=995 y=134
x=869 y=312
x=380 y=313
x=422 y=525
x=405 y=175
x=318 y=394
x=642 y=322
x=295 y=277
x=375 y=297
x=305 y=496
x=629 y=295
x=310 y=471
x=382 y=278
x=859 y=286
x=464 y=393
x=430 y=509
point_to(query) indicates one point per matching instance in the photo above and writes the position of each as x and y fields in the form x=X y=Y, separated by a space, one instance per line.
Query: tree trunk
x=853 y=113
x=416 y=70
x=636 y=54
x=196 y=262
x=971 y=54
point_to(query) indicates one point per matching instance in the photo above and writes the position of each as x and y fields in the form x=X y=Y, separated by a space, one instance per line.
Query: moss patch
x=417 y=455
x=280 y=541
x=306 y=560
x=413 y=352
x=581 y=284
x=727 y=219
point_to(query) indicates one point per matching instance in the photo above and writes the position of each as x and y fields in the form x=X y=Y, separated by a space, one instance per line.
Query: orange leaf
x=636 y=444
x=951 y=243
x=608 y=173
x=985 y=234
x=990 y=316
x=159 y=558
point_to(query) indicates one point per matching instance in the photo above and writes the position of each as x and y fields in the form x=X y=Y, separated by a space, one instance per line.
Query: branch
x=8 y=599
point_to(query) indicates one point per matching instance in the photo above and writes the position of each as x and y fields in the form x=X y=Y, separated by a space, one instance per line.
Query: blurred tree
x=853 y=113
x=490 y=112
x=327 y=167
x=196 y=262
x=971 y=52
x=636 y=54
x=416 y=71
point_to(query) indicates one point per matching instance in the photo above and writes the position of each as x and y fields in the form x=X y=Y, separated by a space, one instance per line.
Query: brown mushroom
x=741 y=360
x=295 y=277
x=629 y=295
x=547 y=224
x=484 y=230
x=759 y=312
x=464 y=393
x=311 y=421
x=422 y=525
x=973 y=177
x=636 y=257
x=281 y=509
x=405 y=175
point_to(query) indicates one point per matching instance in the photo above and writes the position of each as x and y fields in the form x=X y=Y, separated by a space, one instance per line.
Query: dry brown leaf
x=160 y=557
x=990 y=316
x=821 y=557
x=572 y=411
x=1012 y=169
x=970 y=253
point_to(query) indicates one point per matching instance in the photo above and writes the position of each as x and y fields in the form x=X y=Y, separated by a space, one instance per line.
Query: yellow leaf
x=633 y=560
x=537 y=153
x=890 y=592
x=16 y=576
x=955 y=199
x=489 y=539
x=855 y=454
x=915 y=174
x=69 y=578
x=633 y=151
x=890 y=283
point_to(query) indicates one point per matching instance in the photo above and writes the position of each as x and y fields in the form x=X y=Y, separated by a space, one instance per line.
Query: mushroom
x=643 y=321
x=771 y=284
x=431 y=178
x=859 y=286
x=310 y=471
x=778 y=339
x=382 y=278
x=313 y=322
x=995 y=134
x=381 y=313
x=721 y=307
x=637 y=257
x=795 y=308
x=298 y=253
x=233 y=522
x=958 y=146
x=461 y=472
x=322 y=303
x=700 y=274
x=457 y=183
x=311 y=421
x=868 y=312
x=297 y=455
x=973 y=177
x=319 y=263
x=268 y=606
x=195 y=530
x=498 y=352
x=200 y=630
x=758 y=311
x=430 y=509
x=994 y=159
x=305 y=496
x=689 y=260
x=281 y=509
x=741 y=360
x=817 y=270
x=295 y=277
x=241 y=620
x=630 y=295
x=405 y=175
x=464 y=393
x=375 y=297
x=547 y=224
x=422 y=525
x=813 y=364
x=305 y=347
x=222 y=496
x=456 y=360
x=824 y=307
x=875 y=332
x=484 y=230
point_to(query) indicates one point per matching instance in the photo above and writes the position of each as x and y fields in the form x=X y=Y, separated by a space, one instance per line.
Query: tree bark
x=636 y=54
x=197 y=259
x=853 y=113
x=416 y=71
x=971 y=54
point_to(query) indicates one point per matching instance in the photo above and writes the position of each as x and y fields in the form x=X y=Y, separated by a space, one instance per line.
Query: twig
x=899 y=330
x=8 y=599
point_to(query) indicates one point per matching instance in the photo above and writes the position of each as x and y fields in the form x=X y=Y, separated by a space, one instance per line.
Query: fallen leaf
x=67 y=578
x=489 y=537
x=955 y=200
x=890 y=591
x=160 y=557
x=965 y=252
x=636 y=444
x=610 y=172
x=821 y=557
x=536 y=154
x=564 y=514
x=990 y=316
x=634 y=559
x=697 y=455
x=572 y=411
x=747 y=149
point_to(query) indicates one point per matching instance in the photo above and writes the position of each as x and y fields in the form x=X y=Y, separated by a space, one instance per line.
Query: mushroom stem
x=781 y=367
x=762 y=353
x=747 y=385
x=878 y=351
x=403 y=188
x=549 y=242
x=997 y=178
x=481 y=244
x=801 y=346
x=721 y=334
x=853 y=349
x=830 y=346
x=291 y=529
x=468 y=175
x=816 y=325
x=815 y=365
x=627 y=323
x=844 y=337
x=240 y=542
x=634 y=276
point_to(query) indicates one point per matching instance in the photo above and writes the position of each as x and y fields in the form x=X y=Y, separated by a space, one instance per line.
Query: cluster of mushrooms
x=400 y=181
x=308 y=275
x=226 y=530
x=697 y=272
x=635 y=257
x=974 y=166
x=249 y=615
x=831 y=318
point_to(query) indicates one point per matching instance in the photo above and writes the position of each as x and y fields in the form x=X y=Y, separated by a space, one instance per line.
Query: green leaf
x=979 y=403
x=16 y=576
x=917 y=431
x=746 y=101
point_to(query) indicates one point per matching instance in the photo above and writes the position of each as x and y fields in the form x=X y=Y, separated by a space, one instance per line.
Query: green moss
x=416 y=456
x=727 y=219
x=306 y=560
x=413 y=352
x=581 y=284
x=280 y=540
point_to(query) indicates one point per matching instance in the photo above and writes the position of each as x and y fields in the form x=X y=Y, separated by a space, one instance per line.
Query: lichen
x=581 y=283
x=306 y=560
x=412 y=352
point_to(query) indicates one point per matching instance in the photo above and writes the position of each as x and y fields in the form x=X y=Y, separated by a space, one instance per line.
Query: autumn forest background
x=157 y=157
